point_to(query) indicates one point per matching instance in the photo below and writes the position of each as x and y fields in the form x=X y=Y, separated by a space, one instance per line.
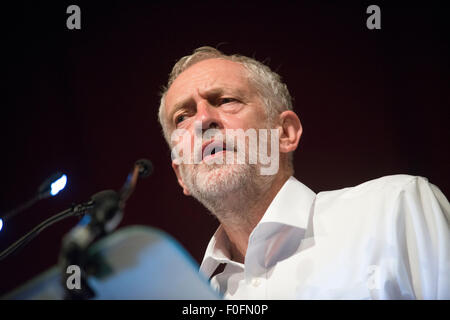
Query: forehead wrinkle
x=206 y=76
x=205 y=92
x=202 y=82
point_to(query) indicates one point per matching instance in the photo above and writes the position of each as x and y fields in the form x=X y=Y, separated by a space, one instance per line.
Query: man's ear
x=290 y=131
x=176 y=168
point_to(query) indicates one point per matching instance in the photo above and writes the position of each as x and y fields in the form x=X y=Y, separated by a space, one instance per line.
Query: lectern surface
x=137 y=263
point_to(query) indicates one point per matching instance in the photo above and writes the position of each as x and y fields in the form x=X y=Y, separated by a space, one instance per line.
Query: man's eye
x=180 y=118
x=227 y=100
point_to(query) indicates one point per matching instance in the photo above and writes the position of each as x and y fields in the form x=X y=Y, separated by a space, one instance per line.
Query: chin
x=218 y=180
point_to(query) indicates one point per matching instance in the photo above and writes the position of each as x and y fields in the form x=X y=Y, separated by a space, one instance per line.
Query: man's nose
x=208 y=115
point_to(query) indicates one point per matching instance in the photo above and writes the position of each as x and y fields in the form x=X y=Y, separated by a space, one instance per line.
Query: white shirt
x=387 y=238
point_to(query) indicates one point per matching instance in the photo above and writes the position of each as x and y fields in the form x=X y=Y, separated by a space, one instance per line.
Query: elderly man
x=384 y=239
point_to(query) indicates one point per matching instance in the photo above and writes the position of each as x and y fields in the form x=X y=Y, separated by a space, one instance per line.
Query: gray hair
x=273 y=92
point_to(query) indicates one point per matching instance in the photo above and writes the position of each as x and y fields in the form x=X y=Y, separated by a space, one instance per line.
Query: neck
x=239 y=212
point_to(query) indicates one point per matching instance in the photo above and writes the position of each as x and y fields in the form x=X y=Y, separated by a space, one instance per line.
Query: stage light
x=58 y=185
x=49 y=188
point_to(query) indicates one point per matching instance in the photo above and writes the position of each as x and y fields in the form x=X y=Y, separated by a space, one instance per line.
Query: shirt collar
x=290 y=207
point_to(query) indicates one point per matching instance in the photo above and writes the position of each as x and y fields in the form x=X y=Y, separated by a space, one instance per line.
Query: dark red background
x=372 y=102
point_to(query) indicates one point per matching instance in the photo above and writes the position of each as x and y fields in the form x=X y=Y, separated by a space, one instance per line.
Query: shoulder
x=380 y=187
x=371 y=202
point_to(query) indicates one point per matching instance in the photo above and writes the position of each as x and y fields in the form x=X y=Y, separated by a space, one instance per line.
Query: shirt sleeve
x=424 y=238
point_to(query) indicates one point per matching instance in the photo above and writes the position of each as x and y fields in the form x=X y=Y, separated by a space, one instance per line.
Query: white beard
x=215 y=180
x=225 y=188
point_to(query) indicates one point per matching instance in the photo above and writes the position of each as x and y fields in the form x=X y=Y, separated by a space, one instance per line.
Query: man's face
x=217 y=94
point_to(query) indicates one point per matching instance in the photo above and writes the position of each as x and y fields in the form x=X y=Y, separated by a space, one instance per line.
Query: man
x=384 y=239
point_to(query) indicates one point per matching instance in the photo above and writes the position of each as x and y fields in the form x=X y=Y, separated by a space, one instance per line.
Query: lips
x=212 y=148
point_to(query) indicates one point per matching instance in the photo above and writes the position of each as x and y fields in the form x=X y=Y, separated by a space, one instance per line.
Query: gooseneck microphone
x=102 y=213
x=142 y=169
x=105 y=216
x=145 y=167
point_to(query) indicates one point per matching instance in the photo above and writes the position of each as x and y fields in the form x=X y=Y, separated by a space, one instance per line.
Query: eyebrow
x=213 y=92
x=179 y=105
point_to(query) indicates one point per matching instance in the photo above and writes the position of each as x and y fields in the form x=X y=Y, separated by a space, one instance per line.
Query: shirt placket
x=255 y=272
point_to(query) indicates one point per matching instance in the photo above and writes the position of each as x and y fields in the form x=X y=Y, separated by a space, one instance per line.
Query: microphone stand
x=76 y=210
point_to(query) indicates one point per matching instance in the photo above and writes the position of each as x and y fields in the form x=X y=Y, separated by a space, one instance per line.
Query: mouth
x=213 y=149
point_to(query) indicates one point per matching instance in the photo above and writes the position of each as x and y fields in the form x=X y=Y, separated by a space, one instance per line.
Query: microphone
x=145 y=167
x=102 y=214
x=107 y=212
x=108 y=206
x=142 y=169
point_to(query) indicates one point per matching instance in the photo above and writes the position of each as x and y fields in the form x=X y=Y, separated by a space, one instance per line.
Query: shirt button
x=256 y=282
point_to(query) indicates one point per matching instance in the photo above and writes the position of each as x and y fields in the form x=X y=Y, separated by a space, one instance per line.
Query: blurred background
x=372 y=102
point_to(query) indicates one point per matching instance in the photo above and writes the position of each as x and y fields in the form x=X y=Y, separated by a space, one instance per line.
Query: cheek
x=235 y=123
x=245 y=120
x=183 y=143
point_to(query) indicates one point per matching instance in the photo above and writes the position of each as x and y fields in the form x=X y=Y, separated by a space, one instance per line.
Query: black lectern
x=132 y=263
